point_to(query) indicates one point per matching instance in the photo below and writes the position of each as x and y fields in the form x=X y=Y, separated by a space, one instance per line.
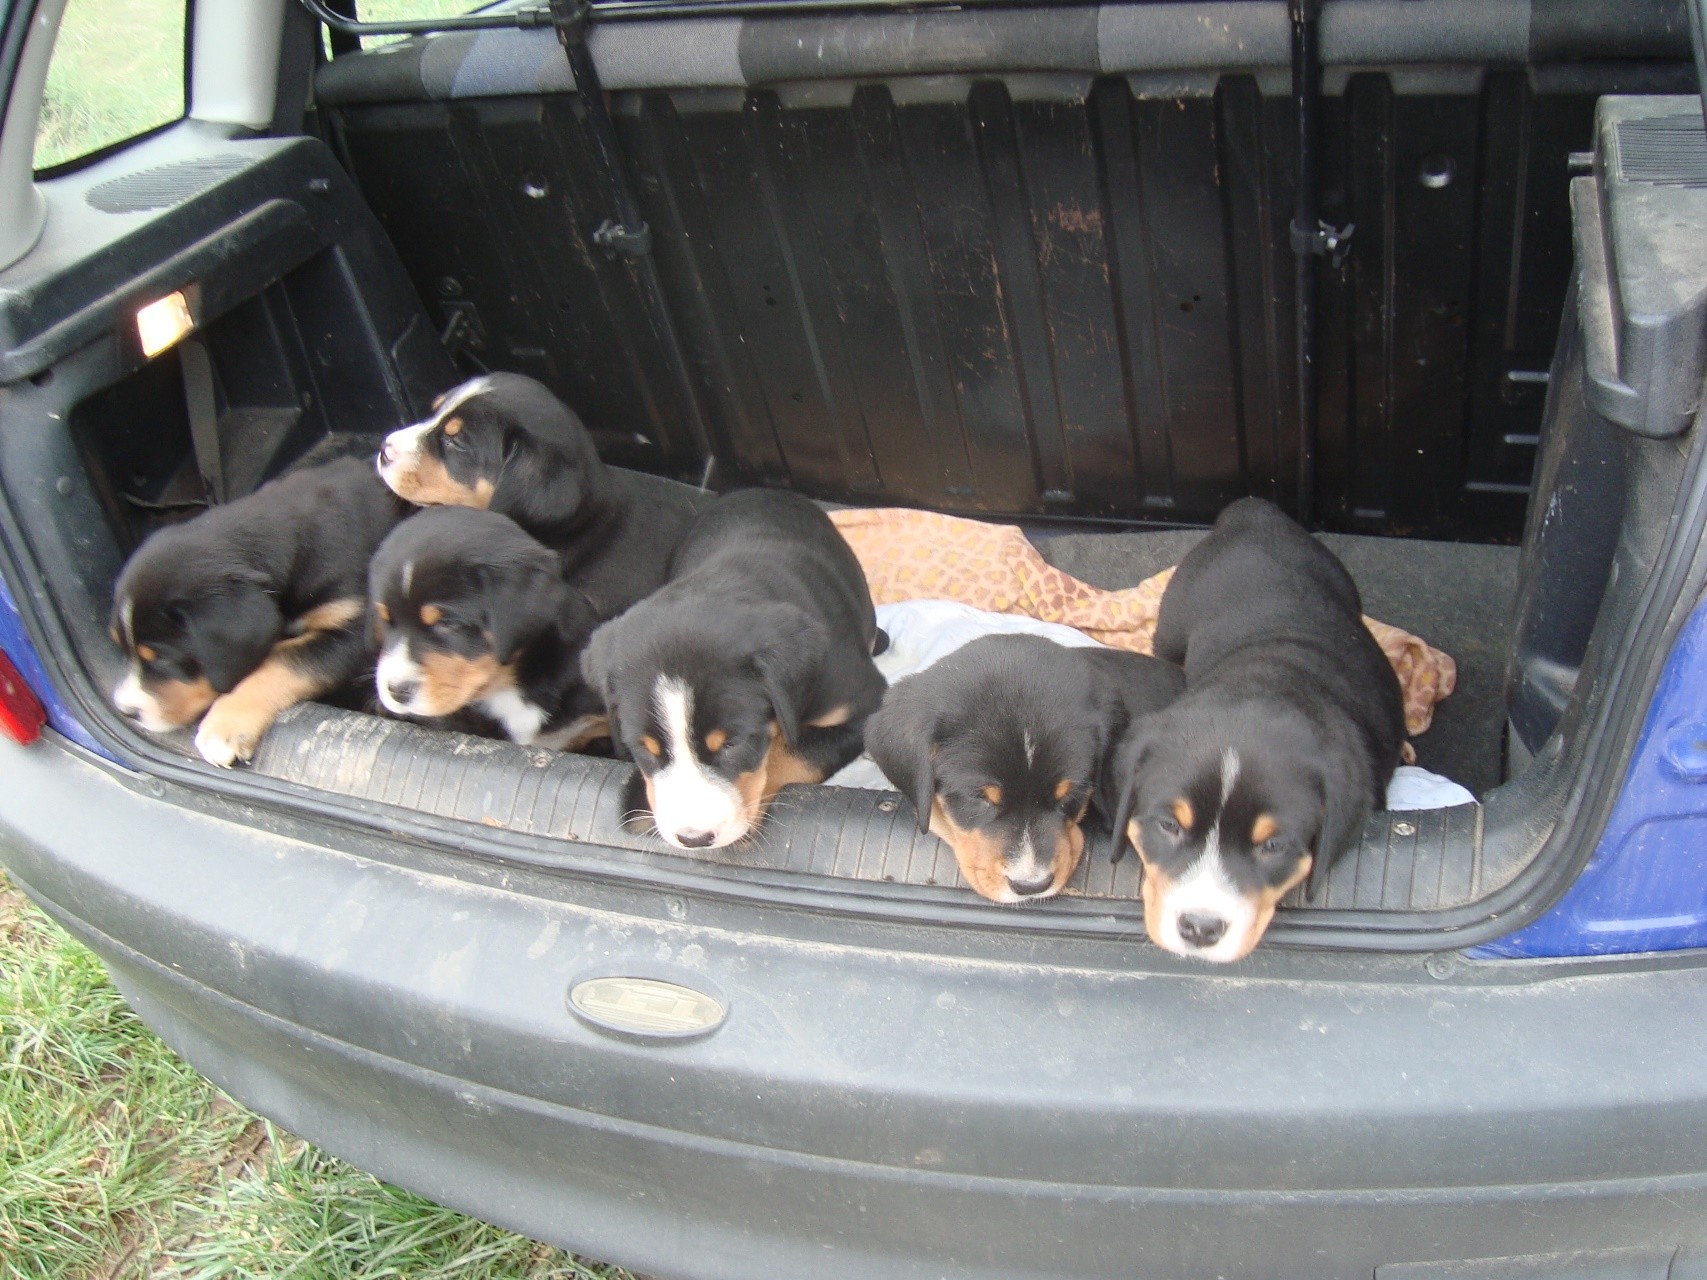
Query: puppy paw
x=228 y=733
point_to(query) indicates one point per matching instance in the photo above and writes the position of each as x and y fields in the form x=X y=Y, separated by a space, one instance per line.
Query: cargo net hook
x=1325 y=241
x=626 y=235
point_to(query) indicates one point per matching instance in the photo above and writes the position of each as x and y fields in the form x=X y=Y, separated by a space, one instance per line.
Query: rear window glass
x=402 y=10
x=117 y=71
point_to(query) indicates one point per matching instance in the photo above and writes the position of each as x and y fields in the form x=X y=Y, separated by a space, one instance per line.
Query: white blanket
x=924 y=631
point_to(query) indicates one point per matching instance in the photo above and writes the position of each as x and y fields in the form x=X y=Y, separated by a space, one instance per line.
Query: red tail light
x=21 y=714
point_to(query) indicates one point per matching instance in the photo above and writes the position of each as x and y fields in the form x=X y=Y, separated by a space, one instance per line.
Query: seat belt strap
x=204 y=417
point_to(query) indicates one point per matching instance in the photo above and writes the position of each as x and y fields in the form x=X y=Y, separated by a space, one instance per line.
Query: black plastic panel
x=1048 y=296
x=1422 y=860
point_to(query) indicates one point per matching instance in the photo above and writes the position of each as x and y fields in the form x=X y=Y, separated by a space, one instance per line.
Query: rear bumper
x=875 y=1104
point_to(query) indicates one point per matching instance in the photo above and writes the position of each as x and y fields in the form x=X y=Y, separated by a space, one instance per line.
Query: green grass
x=392 y=10
x=119 y=1162
x=117 y=70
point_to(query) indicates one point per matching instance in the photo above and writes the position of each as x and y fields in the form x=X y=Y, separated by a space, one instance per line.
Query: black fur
x=213 y=596
x=497 y=592
x=960 y=727
x=1281 y=670
x=767 y=619
x=614 y=530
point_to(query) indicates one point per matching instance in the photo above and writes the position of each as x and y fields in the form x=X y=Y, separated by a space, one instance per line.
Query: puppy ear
x=1348 y=789
x=598 y=670
x=598 y=660
x=552 y=474
x=232 y=630
x=522 y=600
x=1105 y=711
x=900 y=737
x=791 y=649
x=1120 y=780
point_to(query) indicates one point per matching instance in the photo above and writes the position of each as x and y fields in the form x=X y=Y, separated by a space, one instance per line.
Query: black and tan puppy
x=503 y=442
x=471 y=614
x=749 y=670
x=1285 y=739
x=252 y=607
x=1003 y=749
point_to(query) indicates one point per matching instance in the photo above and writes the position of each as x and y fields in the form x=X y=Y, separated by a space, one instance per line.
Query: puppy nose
x=402 y=690
x=388 y=453
x=1201 y=930
x=696 y=839
x=1030 y=888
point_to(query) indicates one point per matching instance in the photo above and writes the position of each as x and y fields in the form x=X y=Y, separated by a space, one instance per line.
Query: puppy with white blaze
x=749 y=670
x=473 y=620
x=1263 y=772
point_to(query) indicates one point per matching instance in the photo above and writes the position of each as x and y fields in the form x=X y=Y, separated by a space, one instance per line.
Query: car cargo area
x=1024 y=266
x=1070 y=279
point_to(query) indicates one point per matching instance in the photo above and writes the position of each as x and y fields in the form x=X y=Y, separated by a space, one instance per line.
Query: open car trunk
x=1025 y=265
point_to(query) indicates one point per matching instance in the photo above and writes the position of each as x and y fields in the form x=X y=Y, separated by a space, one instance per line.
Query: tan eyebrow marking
x=431 y=615
x=383 y=612
x=992 y=793
x=1183 y=812
x=1264 y=828
x=146 y=652
x=452 y=426
x=1062 y=788
x=652 y=745
x=715 y=740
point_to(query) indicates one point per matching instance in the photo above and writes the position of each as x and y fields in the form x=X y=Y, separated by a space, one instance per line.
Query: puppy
x=749 y=670
x=1286 y=737
x=1003 y=748
x=471 y=613
x=252 y=607
x=503 y=442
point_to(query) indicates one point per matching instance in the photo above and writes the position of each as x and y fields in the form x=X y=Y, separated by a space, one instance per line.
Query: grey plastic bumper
x=879 y=1104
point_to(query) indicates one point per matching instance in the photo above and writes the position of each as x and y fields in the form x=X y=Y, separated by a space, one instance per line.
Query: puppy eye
x=1167 y=826
x=1273 y=847
x=454 y=444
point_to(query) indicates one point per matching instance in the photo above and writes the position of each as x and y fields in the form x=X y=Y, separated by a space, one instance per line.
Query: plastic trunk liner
x=1455 y=595
x=1408 y=861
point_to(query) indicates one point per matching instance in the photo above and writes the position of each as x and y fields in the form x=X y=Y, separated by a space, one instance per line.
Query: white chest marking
x=521 y=719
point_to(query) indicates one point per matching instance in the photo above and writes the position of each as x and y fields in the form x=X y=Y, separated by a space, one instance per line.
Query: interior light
x=162 y=323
